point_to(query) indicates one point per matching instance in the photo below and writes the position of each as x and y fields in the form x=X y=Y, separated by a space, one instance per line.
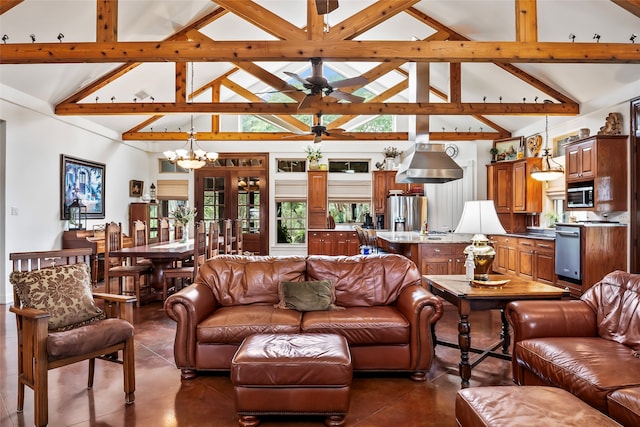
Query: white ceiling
x=481 y=20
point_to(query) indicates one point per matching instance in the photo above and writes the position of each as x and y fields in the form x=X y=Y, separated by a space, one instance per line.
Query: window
x=291 y=221
x=167 y=167
x=349 y=212
x=349 y=166
x=297 y=165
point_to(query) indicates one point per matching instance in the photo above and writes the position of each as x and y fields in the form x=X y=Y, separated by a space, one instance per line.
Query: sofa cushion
x=379 y=325
x=588 y=367
x=624 y=406
x=230 y=325
x=306 y=296
x=365 y=280
x=63 y=291
x=616 y=301
x=237 y=280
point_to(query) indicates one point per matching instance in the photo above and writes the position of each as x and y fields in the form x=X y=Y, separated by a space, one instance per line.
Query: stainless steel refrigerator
x=406 y=213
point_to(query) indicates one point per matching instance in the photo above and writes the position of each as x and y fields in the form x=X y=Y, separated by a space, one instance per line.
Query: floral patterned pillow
x=63 y=291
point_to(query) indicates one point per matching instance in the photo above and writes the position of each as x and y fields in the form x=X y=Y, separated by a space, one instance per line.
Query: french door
x=237 y=188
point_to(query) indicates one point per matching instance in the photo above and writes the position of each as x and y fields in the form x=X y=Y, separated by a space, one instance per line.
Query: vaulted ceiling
x=144 y=67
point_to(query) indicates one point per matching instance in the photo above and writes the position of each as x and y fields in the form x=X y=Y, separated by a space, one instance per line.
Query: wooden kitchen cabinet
x=531 y=258
x=599 y=161
x=527 y=192
x=317 y=202
x=445 y=258
x=332 y=242
x=499 y=185
x=147 y=212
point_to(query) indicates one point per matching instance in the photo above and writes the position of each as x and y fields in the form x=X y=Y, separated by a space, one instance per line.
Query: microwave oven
x=580 y=197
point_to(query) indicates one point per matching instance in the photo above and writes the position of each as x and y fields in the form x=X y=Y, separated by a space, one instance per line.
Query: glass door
x=236 y=188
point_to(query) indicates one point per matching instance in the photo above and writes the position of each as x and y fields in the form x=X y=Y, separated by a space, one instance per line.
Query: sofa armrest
x=422 y=309
x=536 y=319
x=188 y=307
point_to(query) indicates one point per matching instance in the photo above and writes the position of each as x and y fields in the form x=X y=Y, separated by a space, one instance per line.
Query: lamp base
x=483 y=255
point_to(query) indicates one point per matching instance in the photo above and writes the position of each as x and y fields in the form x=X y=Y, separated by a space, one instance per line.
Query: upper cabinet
x=317 y=209
x=499 y=184
x=527 y=192
x=597 y=167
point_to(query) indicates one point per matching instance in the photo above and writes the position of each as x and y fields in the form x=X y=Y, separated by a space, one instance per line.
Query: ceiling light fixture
x=191 y=158
x=551 y=170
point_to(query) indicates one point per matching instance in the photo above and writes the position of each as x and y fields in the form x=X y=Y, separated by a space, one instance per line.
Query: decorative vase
x=185 y=233
x=314 y=165
x=389 y=163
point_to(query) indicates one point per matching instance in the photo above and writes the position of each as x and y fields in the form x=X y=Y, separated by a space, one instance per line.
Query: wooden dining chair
x=163 y=230
x=178 y=231
x=43 y=344
x=140 y=238
x=213 y=239
x=238 y=244
x=120 y=268
x=187 y=272
x=227 y=236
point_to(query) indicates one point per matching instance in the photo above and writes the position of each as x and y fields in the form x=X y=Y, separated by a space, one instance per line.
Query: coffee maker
x=380 y=221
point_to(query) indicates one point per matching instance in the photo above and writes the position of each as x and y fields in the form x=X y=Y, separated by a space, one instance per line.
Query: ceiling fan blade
x=347 y=96
x=317 y=139
x=297 y=77
x=308 y=100
x=353 y=81
x=326 y=6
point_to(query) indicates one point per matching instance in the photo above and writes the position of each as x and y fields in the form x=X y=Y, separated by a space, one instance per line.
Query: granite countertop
x=416 y=237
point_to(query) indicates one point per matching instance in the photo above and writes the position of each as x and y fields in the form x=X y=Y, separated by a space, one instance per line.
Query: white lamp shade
x=479 y=217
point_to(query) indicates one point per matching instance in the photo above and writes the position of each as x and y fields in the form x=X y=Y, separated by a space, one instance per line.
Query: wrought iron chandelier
x=190 y=158
x=551 y=170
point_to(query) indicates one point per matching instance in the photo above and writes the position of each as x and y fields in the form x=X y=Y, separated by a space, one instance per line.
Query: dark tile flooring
x=162 y=399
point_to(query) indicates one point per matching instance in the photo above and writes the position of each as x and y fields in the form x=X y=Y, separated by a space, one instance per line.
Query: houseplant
x=313 y=155
x=184 y=215
x=390 y=154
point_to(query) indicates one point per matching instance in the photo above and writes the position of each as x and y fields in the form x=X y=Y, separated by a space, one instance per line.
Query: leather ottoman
x=306 y=374
x=511 y=406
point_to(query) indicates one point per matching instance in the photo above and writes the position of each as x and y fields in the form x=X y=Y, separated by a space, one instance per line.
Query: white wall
x=35 y=139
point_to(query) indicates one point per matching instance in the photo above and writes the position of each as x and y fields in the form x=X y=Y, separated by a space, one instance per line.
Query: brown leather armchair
x=589 y=347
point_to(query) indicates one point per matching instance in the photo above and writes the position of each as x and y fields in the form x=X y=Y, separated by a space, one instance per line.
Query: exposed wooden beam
x=274 y=136
x=6 y=5
x=315 y=22
x=526 y=20
x=107 y=21
x=632 y=6
x=181 y=82
x=510 y=68
x=356 y=51
x=263 y=19
x=368 y=18
x=366 y=108
x=455 y=82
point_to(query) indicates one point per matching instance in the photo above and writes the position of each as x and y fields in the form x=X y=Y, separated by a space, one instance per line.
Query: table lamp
x=479 y=218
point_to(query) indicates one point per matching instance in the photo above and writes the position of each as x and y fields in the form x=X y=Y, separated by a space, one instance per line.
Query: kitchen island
x=436 y=253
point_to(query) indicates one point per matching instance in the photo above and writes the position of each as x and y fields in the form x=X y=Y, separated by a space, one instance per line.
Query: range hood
x=427 y=163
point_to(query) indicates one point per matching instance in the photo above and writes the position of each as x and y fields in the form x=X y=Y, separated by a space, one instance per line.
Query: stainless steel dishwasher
x=568 y=252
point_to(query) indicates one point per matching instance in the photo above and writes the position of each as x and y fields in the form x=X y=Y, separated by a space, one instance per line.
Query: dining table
x=162 y=256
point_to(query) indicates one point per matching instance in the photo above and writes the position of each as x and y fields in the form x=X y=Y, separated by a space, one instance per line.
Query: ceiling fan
x=326 y=6
x=318 y=85
x=318 y=130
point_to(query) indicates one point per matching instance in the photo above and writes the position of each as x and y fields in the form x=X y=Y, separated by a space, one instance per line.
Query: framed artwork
x=509 y=148
x=135 y=188
x=84 y=180
x=533 y=145
x=561 y=141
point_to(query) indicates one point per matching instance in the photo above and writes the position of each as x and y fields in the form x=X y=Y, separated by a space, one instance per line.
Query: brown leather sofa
x=589 y=347
x=386 y=313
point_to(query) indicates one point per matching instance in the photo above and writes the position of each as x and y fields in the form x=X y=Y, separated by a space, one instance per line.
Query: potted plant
x=390 y=154
x=494 y=152
x=313 y=155
x=184 y=215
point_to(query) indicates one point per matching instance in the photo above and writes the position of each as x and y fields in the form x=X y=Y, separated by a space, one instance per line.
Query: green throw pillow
x=63 y=291
x=307 y=296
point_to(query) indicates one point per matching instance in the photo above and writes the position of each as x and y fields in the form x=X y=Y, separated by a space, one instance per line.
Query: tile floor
x=163 y=400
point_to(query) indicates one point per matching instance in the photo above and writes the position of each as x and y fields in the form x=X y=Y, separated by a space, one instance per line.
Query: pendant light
x=551 y=170
x=191 y=158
